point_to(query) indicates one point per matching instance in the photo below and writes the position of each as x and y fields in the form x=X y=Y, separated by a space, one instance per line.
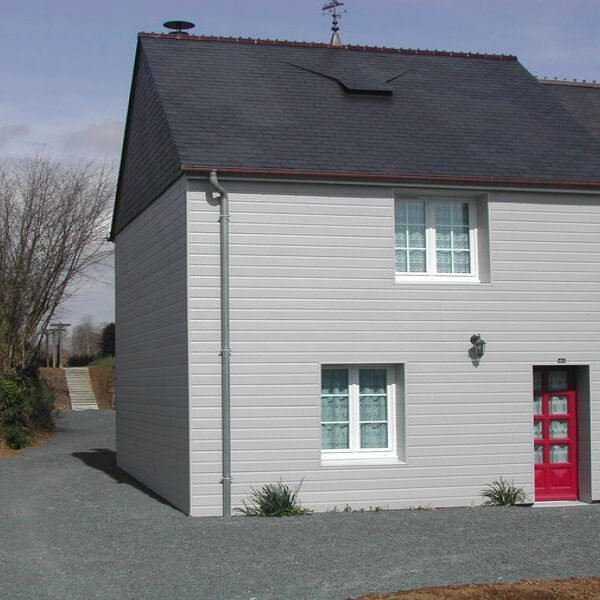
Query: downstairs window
x=358 y=412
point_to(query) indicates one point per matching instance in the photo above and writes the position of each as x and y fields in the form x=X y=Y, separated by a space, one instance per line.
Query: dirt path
x=571 y=589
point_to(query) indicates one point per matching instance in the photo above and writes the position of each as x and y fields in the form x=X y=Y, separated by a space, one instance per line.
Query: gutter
x=223 y=199
x=192 y=170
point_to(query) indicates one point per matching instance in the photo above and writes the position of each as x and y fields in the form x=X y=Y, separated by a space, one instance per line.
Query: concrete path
x=80 y=387
x=73 y=526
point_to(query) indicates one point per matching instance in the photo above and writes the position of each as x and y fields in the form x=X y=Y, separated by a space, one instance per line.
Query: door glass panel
x=559 y=453
x=538 y=454
x=558 y=405
x=537 y=381
x=537 y=430
x=537 y=405
x=557 y=381
x=559 y=429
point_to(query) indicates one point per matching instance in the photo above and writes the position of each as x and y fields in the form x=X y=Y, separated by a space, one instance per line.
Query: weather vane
x=332 y=9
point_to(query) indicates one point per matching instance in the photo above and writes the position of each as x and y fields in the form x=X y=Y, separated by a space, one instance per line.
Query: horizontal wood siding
x=313 y=283
x=152 y=360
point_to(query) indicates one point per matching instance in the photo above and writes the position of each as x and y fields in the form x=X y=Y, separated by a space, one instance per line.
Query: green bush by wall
x=26 y=407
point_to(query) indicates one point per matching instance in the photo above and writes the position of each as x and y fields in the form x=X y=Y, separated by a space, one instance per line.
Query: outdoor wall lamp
x=478 y=344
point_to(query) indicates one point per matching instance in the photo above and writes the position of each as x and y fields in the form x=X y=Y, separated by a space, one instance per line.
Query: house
x=389 y=212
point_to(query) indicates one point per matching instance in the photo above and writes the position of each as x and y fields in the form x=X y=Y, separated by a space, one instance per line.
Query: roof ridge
x=267 y=42
x=574 y=82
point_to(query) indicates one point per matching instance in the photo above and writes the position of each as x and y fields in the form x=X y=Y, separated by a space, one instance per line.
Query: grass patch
x=107 y=362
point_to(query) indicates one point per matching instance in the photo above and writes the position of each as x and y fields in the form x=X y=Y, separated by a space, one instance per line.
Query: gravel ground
x=73 y=526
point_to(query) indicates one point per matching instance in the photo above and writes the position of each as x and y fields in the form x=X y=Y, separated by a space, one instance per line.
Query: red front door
x=555 y=434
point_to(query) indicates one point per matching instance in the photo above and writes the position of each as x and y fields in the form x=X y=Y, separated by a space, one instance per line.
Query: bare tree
x=53 y=224
x=86 y=337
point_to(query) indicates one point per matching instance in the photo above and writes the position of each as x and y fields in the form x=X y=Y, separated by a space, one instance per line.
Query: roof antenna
x=178 y=27
x=332 y=9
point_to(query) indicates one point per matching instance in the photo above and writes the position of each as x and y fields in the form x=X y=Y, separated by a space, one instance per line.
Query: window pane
x=538 y=454
x=401 y=261
x=444 y=262
x=443 y=237
x=559 y=429
x=537 y=405
x=334 y=437
x=410 y=238
x=416 y=236
x=558 y=405
x=537 y=430
x=415 y=212
x=334 y=409
x=334 y=381
x=372 y=381
x=537 y=381
x=559 y=453
x=443 y=213
x=452 y=237
x=373 y=435
x=462 y=262
x=557 y=381
x=401 y=239
x=417 y=263
x=373 y=408
x=460 y=238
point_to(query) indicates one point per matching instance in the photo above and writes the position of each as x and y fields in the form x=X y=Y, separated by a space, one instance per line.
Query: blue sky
x=67 y=63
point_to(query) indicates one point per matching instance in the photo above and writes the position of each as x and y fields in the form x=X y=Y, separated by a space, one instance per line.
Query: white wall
x=152 y=366
x=313 y=283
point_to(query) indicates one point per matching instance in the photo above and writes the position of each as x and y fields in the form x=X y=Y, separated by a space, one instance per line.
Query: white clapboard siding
x=312 y=282
x=152 y=363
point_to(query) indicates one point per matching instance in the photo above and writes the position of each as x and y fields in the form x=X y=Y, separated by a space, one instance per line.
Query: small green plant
x=273 y=500
x=426 y=507
x=503 y=493
x=349 y=508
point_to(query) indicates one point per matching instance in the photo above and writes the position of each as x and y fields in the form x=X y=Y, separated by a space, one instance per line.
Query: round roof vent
x=178 y=27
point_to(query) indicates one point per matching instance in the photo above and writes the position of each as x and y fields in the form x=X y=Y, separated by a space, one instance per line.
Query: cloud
x=9 y=133
x=97 y=139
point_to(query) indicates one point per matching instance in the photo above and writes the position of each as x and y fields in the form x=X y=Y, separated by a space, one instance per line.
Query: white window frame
x=355 y=454
x=431 y=275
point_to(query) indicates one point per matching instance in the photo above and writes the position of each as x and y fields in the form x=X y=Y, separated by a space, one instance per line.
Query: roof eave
x=195 y=170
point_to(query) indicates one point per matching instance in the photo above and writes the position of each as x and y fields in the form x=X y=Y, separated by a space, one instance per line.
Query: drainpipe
x=225 y=342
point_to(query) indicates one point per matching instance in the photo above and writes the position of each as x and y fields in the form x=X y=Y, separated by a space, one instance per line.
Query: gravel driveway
x=74 y=526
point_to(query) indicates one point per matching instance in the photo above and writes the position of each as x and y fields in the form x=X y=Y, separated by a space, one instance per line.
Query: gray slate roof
x=201 y=103
x=582 y=100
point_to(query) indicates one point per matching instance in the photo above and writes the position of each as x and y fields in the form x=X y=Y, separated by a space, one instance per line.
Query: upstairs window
x=436 y=239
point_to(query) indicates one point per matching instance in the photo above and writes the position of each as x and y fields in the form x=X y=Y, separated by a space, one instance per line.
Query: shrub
x=273 y=500
x=26 y=406
x=503 y=493
x=16 y=437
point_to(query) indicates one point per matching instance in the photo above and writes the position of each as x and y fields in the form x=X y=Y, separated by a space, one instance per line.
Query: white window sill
x=427 y=279
x=357 y=460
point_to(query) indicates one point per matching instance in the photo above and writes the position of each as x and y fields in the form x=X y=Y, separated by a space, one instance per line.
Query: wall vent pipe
x=225 y=342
